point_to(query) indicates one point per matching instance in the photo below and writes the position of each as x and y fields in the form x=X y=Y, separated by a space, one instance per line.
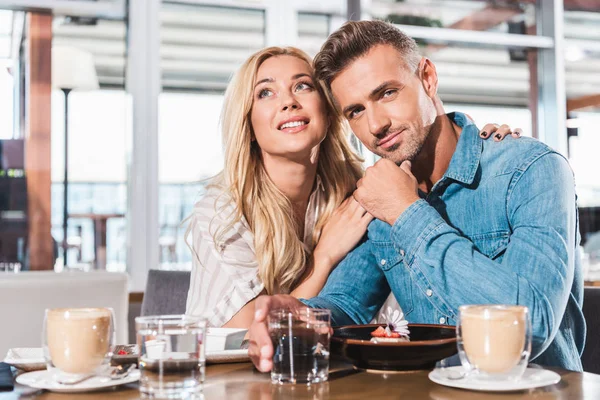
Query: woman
x=280 y=215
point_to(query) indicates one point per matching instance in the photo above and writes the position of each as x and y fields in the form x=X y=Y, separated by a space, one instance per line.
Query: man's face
x=386 y=104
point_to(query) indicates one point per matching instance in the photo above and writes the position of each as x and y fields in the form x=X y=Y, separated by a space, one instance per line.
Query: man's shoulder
x=511 y=155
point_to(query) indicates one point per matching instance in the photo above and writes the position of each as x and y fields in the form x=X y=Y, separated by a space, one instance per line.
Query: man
x=458 y=221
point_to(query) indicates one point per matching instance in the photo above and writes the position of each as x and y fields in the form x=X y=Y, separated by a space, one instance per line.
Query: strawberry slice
x=379 y=332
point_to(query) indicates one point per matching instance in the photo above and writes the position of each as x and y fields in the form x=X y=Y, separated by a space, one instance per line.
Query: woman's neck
x=295 y=179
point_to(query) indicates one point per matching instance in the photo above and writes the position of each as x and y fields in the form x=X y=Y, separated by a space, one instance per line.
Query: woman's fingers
x=488 y=130
x=502 y=132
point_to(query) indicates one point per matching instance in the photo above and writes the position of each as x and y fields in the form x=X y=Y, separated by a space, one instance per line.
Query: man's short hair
x=354 y=39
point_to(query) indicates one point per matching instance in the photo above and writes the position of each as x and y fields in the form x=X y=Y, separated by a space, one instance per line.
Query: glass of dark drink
x=300 y=345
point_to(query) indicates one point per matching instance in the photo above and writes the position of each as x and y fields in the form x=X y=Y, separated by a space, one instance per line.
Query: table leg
x=101 y=244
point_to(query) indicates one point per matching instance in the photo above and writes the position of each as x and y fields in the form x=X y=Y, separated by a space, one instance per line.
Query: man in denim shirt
x=459 y=221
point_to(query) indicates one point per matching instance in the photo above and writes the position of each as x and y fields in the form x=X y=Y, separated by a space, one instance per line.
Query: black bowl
x=428 y=344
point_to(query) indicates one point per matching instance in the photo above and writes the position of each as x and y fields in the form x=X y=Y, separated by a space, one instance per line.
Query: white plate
x=44 y=380
x=26 y=358
x=531 y=379
x=219 y=339
x=227 y=356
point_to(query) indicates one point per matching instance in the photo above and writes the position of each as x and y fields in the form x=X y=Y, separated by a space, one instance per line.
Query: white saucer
x=44 y=380
x=227 y=356
x=532 y=378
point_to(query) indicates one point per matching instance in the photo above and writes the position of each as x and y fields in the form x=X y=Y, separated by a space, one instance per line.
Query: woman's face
x=288 y=114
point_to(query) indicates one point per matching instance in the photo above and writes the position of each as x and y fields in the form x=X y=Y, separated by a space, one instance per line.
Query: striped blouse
x=225 y=275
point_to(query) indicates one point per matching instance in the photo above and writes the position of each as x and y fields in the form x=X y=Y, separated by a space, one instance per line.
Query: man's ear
x=428 y=76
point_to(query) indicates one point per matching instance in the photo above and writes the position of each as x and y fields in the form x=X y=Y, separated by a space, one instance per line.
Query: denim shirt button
x=402 y=253
x=383 y=261
x=442 y=320
x=429 y=292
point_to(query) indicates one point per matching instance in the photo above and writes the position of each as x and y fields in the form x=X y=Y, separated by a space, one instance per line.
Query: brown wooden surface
x=241 y=381
x=483 y=19
x=136 y=297
x=37 y=139
x=583 y=102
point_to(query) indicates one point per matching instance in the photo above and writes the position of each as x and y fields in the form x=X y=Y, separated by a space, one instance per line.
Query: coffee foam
x=78 y=313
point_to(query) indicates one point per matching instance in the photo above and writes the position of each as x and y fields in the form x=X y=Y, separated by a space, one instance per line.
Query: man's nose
x=379 y=123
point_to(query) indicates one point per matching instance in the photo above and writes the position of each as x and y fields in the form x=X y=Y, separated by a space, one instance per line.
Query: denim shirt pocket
x=491 y=244
x=389 y=259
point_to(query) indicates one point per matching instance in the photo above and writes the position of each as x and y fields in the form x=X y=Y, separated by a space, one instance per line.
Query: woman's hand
x=341 y=234
x=499 y=132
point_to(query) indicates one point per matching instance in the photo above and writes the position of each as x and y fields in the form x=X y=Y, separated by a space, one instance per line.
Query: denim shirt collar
x=465 y=160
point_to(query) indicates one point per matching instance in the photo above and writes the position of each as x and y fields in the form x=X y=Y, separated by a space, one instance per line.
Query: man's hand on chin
x=260 y=348
x=386 y=190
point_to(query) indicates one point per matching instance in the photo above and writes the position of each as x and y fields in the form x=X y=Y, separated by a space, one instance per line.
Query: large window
x=98 y=126
x=201 y=47
x=582 y=62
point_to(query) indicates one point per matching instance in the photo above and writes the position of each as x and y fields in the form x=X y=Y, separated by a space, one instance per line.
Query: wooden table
x=100 y=222
x=241 y=381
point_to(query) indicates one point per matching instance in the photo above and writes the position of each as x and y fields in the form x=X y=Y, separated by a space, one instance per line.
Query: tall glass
x=300 y=344
x=171 y=355
x=494 y=341
x=77 y=341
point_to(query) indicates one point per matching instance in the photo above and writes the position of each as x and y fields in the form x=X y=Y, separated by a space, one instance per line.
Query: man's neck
x=432 y=162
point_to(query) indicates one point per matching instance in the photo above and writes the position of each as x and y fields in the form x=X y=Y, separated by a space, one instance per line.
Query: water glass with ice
x=172 y=359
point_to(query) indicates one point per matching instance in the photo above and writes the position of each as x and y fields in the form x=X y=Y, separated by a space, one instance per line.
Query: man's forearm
x=458 y=274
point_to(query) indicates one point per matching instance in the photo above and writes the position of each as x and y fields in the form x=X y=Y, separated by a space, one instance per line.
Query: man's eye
x=354 y=113
x=389 y=92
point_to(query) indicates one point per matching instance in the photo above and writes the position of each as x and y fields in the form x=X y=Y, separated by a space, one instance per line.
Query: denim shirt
x=500 y=227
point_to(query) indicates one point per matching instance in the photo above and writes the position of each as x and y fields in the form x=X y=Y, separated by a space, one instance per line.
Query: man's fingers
x=406 y=167
x=261 y=348
x=366 y=219
x=261 y=308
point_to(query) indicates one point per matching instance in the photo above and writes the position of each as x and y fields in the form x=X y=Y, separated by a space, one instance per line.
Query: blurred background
x=113 y=106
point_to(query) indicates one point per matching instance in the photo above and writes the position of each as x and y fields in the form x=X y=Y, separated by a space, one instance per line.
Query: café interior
x=109 y=132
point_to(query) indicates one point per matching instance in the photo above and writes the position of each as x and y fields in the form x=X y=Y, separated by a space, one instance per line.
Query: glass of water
x=171 y=355
x=300 y=345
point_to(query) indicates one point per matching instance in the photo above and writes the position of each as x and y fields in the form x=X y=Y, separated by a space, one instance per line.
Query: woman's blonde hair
x=279 y=251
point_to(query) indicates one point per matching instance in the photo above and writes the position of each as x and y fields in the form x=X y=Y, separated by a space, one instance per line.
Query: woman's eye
x=303 y=86
x=264 y=93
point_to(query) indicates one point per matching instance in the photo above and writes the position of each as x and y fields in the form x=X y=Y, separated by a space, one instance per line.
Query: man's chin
x=393 y=156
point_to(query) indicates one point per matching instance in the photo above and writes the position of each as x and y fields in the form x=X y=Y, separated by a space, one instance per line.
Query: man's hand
x=260 y=349
x=386 y=190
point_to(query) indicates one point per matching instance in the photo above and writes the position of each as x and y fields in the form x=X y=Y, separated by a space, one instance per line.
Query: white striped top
x=225 y=276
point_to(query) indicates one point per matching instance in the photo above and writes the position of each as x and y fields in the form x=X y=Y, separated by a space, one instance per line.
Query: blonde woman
x=278 y=218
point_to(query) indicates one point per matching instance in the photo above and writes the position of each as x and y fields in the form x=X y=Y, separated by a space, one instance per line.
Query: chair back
x=166 y=292
x=25 y=296
x=591 y=311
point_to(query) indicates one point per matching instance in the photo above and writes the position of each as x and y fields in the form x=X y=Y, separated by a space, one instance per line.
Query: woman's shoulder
x=215 y=214
x=213 y=203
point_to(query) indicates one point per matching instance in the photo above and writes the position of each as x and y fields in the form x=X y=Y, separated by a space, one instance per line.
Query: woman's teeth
x=292 y=124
